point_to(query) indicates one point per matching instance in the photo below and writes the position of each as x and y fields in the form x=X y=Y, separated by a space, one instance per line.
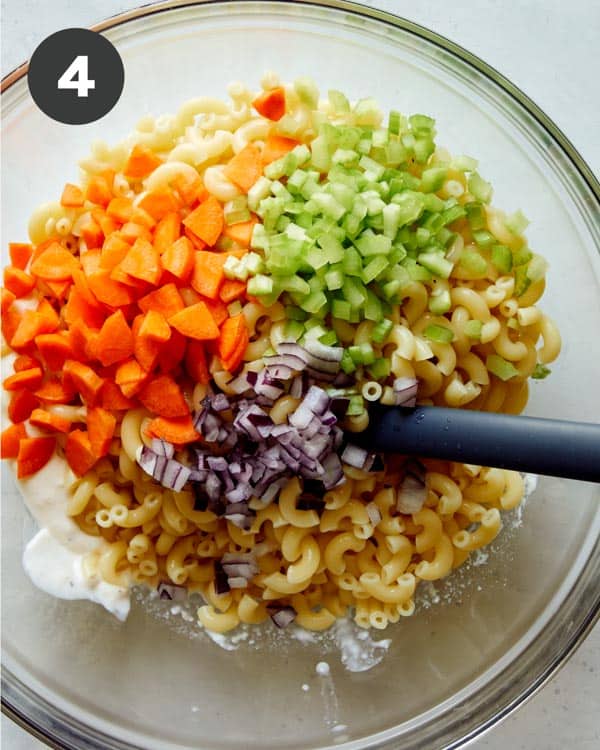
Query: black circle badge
x=76 y=76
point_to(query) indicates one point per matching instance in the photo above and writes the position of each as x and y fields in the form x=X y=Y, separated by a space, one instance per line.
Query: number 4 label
x=76 y=77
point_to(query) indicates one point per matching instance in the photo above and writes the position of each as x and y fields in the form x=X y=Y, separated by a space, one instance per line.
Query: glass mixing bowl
x=77 y=677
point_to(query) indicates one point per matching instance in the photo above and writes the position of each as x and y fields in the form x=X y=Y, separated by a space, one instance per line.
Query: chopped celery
x=345 y=156
x=440 y=302
x=423 y=236
x=392 y=213
x=536 y=270
x=338 y=101
x=500 y=367
x=260 y=285
x=352 y=262
x=253 y=262
x=421 y=124
x=294 y=283
x=295 y=313
x=341 y=308
x=367 y=112
x=475 y=215
x=259 y=239
x=354 y=292
x=423 y=149
x=370 y=243
x=412 y=205
x=372 y=309
x=320 y=158
x=380 y=138
x=329 y=338
x=464 y=163
x=395 y=122
x=483 y=238
x=479 y=188
x=436 y=263
x=334 y=278
x=433 y=178
x=521 y=256
x=433 y=203
x=235 y=211
x=232 y=267
x=502 y=258
x=374 y=268
x=258 y=191
x=314 y=302
x=347 y=363
x=395 y=153
x=234 y=308
x=473 y=262
x=416 y=271
x=356 y=407
x=516 y=223
x=307 y=91
x=328 y=205
x=522 y=281
x=381 y=331
x=540 y=372
x=439 y=334
x=293 y=330
x=473 y=328
x=380 y=368
x=362 y=354
x=296 y=180
x=373 y=169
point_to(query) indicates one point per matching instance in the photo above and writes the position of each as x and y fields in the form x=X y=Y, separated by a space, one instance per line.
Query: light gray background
x=549 y=48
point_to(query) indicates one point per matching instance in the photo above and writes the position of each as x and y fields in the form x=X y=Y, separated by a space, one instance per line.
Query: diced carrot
x=154 y=326
x=137 y=285
x=166 y=300
x=109 y=291
x=79 y=335
x=58 y=289
x=30 y=379
x=114 y=249
x=107 y=224
x=143 y=262
x=47 y=421
x=208 y=274
x=120 y=209
x=232 y=362
x=34 y=322
x=84 y=380
x=99 y=191
x=72 y=196
x=271 y=103
x=245 y=167
x=143 y=218
x=172 y=352
x=232 y=290
x=217 y=309
x=277 y=146
x=92 y=233
x=112 y=399
x=78 y=308
x=194 y=239
x=195 y=362
x=20 y=406
x=25 y=362
x=232 y=331
x=141 y=162
x=131 y=232
x=55 y=264
x=241 y=233
x=195 y=322
x=82 y=286
x=17 y=281
x=190 y=296
x=187 y=187
x=159 y=202
x=206 y=221
x=115 y=340
x=163 y=396
x=146 y=351
x=34 y=454
x=9 y=443
x=167 y=231
x=90 y=262
x=79 y=453
x=8 y=298
x=20 y=253
x=178 y=259
x=130 y=377
x=54 y=391
x=10 y=322
x=176 y=430
x=101 y=428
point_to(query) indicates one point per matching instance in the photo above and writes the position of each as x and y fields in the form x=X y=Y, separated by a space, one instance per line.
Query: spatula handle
x=540 y=446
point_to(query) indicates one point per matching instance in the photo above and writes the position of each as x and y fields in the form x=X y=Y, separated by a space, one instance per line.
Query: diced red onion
x=162 y=448
x=171 y=592
x=220 y=402
x=221 y=582
x=405 y=391
x=374 y=513
x=411 y=495
x=282 y=616
x=354 y=456
x=237 y=582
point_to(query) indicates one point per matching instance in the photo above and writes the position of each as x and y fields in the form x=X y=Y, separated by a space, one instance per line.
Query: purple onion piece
x=220 y=402
x=171 y=592
x=162 y=448
x=221 y=582
x=282 y=616
x=411 y=495
x=355 y=456
x=405 y=391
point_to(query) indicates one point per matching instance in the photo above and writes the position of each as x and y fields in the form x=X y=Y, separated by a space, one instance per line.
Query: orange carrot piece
x=208 y=274
x=166 y=300
x=142 y=262
x=109 y=291
x=154 y=326
x=277 y=146
x=55 y=392
x=159 y=202
x=10 y=322
x=83 y=379
x=178 y=259
x=58 y=289
x=176 y=430
x=206 y=221
x=20 y=406
x=241 y=233
x=114 y=249
x=167 y=231
x=78 y=308
x=145 y=350
x=25 y=362
x=217 y=309
x=72 y=196
x=99 y=191
x=141 y=162
x=90 y=263
x=92 y=233
x=82 y=286
x=34 y=322
x=163 y=396
x=232 y=290
x=115 y=340
x=29 y=379
x=187 y=188
x=8 y=298
x=47 y=421
x=195 y=362
x=120 y=209
x=55 y=264
x=20 y=253
x=112 y=399
x=48 y=315
x=245 y=167
x=130 y=377
x=234 y=360
x=231 y=332
x=131 y=232
x=137 y=285
x=143 y=218
x=34 y=454
x=9 y=441
x=17 y=281
x=172 y=352
x=107 y=224
x=271 y=103
x=195 y=322
x=79 y=453
x=101 y=428
x=194 y=239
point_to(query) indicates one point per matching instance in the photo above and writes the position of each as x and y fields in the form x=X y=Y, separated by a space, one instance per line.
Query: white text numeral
x=76 y=77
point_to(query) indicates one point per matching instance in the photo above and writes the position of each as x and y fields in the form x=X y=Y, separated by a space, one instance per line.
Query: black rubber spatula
x=539 y=446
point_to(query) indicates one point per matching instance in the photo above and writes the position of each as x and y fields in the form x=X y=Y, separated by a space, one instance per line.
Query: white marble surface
x=549 y=48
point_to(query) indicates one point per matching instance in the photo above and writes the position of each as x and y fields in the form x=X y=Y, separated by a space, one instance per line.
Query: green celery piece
x=443 y=236
x=516 y=223
x=329 y=205
x=421 y=124
x=338 y=101
x=347 y=363
x=352 y=225
x=348 y=137
x=260 y=285
x=433 y=223
x=500 y=367
x=341 y=308
x=452 y=214
x=536 y=269
x=395 y=154
x=354 y=292
x=433 y=178
x=316 y=257
x=295 y=284
x=343 y=194
x=372 y=308
x=392 y=214
x=473 y=328
x=423 y=236
x=352 y=262
x=472 y=262
x=379 y=369
x=314 y=302
x=296 y=180
x=367 y=112
x=380 y=137
x=440 y=302
x=373 y=170
x=309 y=187
x=370 y=244
x=374 y=268
x=391 y=290
x=258 y=191
x=404 y=181
x=293 y=330
x=483 y=238
x=334 y=278
x=433 y=203
x=381 y=331
x=320 y=158
x=362 y=354
x=316 y=283
x=329 y=338
x=416 y=271
x=307 y=91
x=282 y=223
x=479 y=188
x=356 y=407
x=313 y=323
x=540 y=372
x=345 y=156
x=423 y=149
x=439 y=334
x=436 y=263
x=475 y=215
x=464 y=163
x=259 y=240
x=412 y=205
x=395 y=122
x=397 y=253
x=364 y=146
x=521 y=256
x=502 y=258
x=295 y=313
x=232 y=267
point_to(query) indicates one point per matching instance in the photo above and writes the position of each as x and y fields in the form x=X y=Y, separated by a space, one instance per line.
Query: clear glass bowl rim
x=58 y=730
